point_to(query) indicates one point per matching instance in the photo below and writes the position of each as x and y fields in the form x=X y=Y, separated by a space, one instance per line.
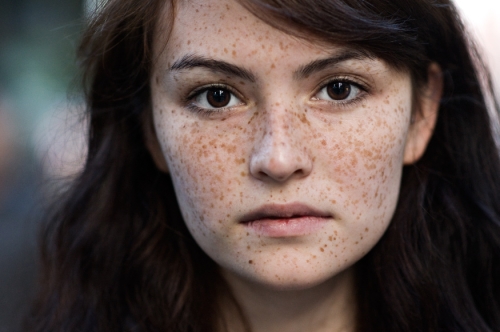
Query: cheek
x=207 y=166
x=363 y=158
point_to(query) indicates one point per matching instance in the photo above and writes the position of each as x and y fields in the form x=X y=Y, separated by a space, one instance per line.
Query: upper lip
x=280 y=211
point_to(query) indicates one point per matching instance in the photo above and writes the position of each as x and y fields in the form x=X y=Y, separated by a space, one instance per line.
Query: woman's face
x=286 y=155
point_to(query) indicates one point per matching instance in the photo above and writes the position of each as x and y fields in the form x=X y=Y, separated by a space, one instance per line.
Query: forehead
x=200 y=16
x=225 y=29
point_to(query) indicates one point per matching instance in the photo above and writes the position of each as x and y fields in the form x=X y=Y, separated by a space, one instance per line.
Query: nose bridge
x=280 y=129
x=281 y=152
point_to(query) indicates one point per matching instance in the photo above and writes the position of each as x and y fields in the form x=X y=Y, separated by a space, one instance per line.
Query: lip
x=287 y=220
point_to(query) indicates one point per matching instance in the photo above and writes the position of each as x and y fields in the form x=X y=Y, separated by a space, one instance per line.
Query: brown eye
x=338 y=90
x=218 y=98
x=215 y=97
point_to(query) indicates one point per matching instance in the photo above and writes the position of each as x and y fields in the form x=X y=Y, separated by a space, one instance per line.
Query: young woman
x=279 y=166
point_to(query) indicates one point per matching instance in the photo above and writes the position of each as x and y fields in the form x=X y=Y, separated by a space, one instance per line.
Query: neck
x=329 y=306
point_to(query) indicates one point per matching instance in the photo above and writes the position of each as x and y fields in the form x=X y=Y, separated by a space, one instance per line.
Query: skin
x=283 y=141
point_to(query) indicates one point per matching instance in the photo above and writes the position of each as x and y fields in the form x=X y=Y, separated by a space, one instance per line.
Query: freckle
x=225 y=50
x=367 y=229
x=330 y=238
x=304 y=119
x=273 y=66
x=234 y=53
x=321 y=249
x=250 y=262
x=323 y=142
x=188 y=42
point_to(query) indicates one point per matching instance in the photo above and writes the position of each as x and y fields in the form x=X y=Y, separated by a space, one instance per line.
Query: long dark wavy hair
x=116 y=255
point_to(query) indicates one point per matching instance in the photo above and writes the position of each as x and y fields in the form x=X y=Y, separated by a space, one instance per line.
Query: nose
x=281 y=152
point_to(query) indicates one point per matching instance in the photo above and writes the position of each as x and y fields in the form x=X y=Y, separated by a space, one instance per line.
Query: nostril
x=280 y=173
x=299 y=172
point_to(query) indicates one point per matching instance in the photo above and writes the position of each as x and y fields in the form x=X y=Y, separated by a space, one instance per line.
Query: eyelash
x=190 y=99
x=343 y=103
x=191 y=105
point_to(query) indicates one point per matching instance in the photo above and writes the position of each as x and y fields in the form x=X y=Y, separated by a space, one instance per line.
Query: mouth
x=287 y=220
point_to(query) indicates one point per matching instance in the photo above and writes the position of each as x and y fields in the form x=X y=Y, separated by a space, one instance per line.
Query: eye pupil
x=218 y=97
x=338 y=90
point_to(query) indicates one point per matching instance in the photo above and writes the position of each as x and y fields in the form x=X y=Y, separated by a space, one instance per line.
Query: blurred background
x=42 y=132
x=37 y=68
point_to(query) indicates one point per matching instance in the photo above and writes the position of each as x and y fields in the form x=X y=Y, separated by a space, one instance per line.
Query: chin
x=289 y=278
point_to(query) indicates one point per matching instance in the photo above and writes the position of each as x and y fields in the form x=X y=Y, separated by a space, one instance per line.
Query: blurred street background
x=42 y=130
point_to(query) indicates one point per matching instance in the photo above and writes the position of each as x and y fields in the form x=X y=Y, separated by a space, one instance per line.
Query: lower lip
x=287 y=227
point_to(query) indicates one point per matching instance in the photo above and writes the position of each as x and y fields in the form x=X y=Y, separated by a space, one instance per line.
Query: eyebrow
x=321 y=64
x=191 y=61
x=195 y=61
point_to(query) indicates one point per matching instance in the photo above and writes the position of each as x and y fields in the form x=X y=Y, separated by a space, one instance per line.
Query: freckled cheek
x=364 y=160
x=207 y=170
